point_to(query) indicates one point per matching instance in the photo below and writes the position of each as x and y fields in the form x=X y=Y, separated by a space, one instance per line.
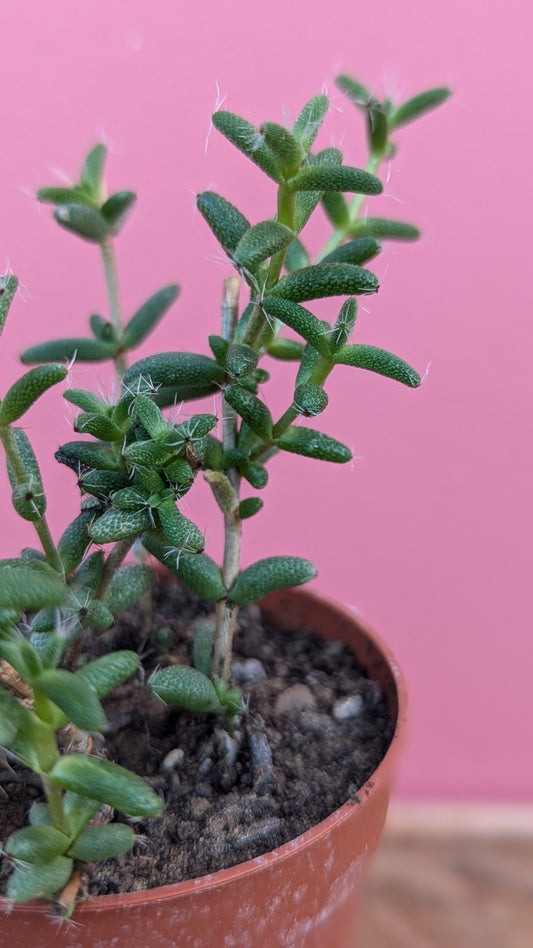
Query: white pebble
x=349 y=707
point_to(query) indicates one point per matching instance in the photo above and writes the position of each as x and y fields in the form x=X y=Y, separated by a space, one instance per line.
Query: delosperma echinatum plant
x=134 y=463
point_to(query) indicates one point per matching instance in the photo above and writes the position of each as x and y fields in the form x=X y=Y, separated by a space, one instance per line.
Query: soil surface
x=314 y=731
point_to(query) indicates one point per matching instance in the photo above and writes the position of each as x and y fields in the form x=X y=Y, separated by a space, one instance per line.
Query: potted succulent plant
x=133 y=464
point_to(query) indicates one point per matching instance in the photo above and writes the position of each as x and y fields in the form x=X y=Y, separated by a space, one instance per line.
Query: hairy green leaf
x=250 y=141
x=39 y=881
x=107 y=782
x=8 y=287
x=313 y=444
x=225 y=220
x=275 y=572
x=105 y=673
x=355 y=251
x=185 y=687
x=116 y=525
x=86 y=222
x=309 y=121
x=75 y=541
x=84 y=350
x=380 y=361
x=147 y=317
x=198 y=571
x=102 y=842
x=73 y=696
x=36 y=844
x=27 y=390
x=341 y=178
x=383 y=229
x=183 y=375
x=313 y=330
x=117 y=208
x=253 y=411
x=260 y=242
x=128 y=584
x=29 y=584
x=325 y=279
x=418 y=105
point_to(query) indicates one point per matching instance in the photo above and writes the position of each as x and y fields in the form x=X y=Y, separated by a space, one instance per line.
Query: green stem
x=111 y=277
x=226 y=614
x=340 y=234
x=285 y=215
x=19 y=471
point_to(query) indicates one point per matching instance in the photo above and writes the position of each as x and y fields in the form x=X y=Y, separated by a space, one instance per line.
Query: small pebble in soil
x=172 y=760
x=296 y=698
x=248 y=672
x=349 y=707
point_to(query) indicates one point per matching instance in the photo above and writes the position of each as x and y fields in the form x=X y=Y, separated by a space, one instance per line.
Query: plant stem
x=286 y=207
x=227 y=614
x=19 y=471
x=111 y=276
x=340 y=233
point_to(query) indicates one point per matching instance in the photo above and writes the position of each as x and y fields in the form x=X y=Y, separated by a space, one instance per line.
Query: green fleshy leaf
x=36 y=844
x=150 y=416
x=380 y=361
x=358 y=94
x=60 y=195
x=309 y=399
x=336 y=208
x=296 y=256
x=418 y=105
x=102 y=483
x=254 y=473
x=39 y=881
x=116 y=525
x=284 y=145
x=85 y=454
x=84 y=350
x=8 y=287
x=105 y=673
x=250 y=141
x=78 y=810
x=99 y=426
x=260 y=242
x=344 y=325
x=198 y=571
x=203 y=645
x=181 y=532
x=309 y=121
x=27 y=390
x=313 y=444
x=39 y=815
x=128 y=584
x=225 y=220
x=106 y=782
x=93 y=171
x=75 y=541
x=29 y=584
x=89 y=574
x=240 y=361
x=275 y=572
x=148 y=316
x=288 y=350
x=147 y=453
x=313 y=330
x=97 y=615
x=85 y=222
x=355 y=251
x=341 y=178
x=383 y=229
x=86 y=401
x=223 y=491
x=249 y=507
x=253 y=411
x=28 y=498
x=102 y=329
x=76 y=699
x=117 y=208
x=182 y=375
x=102 y=842
x=325 y=279
x=185 y=687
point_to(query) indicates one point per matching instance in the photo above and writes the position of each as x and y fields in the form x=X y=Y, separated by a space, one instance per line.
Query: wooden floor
x=451 y=878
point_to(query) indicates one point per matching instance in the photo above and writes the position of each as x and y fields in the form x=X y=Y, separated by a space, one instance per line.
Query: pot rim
x=224 y=877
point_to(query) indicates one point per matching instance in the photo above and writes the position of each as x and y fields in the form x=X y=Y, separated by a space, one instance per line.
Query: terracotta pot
x=302 y=895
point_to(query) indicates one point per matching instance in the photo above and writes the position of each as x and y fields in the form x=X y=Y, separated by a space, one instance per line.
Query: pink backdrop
x=427 y=534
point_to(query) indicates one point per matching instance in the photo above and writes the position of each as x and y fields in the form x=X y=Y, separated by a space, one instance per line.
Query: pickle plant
x=139 y=462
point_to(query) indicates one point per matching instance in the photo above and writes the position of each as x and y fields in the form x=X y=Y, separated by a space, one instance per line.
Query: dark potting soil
x=314 y=731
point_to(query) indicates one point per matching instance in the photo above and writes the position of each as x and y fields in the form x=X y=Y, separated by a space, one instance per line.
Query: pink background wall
x=428 y=534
